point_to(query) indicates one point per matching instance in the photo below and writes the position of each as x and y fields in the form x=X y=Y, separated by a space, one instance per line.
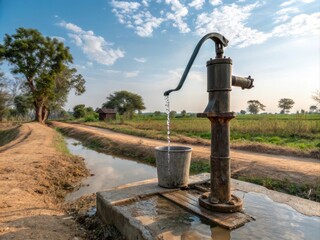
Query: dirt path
x=301 y=170
x=32 y=177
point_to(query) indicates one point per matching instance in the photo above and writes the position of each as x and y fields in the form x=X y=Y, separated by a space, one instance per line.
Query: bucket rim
x=173 y=149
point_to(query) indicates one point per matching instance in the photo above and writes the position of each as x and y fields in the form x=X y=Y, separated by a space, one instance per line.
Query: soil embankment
x=34 y=178
x=8 y=134
x=293 y=169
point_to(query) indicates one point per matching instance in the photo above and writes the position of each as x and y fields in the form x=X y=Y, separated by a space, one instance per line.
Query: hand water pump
x=219 y=82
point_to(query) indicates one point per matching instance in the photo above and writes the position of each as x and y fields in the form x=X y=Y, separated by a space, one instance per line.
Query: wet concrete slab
x=140 y=212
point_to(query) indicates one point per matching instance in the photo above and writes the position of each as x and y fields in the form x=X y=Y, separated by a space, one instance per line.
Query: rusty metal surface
x=220 y=42
x=234 y=204
x=244 y=83
x=189 y=201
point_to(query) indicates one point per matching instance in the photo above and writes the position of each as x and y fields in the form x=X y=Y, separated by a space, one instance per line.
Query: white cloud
x=215 y=2
x=197 y=4
x=145 y=23
x=78 y=66
x=125 y=6
x=131 y=74
x=230 y=21
x=145 y=3
x=108 y=71
x=290 y=2
x=130 y=14
x=283 y=14
x=95 y=47
x=60 y=39
x=287 y=10
x=179 y=11
x=70 y=26
x=140 y=60
x=300 y=25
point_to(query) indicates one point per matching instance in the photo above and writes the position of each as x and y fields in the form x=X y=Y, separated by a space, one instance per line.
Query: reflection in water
x=108 y=171
x=219 y=233
x=163 y=217
x=273 y=220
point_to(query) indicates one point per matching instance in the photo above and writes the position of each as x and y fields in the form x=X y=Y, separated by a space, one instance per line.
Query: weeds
x=60 y=143
x=297 y=189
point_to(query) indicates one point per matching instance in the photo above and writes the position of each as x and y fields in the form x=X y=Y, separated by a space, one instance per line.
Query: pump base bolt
x=234 y=205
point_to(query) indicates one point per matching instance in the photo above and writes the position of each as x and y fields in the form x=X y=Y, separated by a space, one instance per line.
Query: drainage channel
x=273 y=220
x=107 y=171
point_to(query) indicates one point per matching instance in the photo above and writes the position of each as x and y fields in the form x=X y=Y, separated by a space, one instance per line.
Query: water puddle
x=160 y=216
x=273 y=220
x=109 y=171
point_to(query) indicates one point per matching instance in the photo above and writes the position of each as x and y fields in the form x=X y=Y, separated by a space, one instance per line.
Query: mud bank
x=34 y=178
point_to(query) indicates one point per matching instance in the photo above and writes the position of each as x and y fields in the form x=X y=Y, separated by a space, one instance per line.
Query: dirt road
x=34 y=177
x=300 y=170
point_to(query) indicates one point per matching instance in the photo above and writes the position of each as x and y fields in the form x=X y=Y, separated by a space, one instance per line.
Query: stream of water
x=168 y=129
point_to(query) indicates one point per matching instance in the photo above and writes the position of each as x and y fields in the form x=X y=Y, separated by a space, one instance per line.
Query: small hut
x=106 y=113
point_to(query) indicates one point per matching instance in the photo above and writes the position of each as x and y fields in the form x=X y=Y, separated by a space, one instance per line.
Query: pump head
x=220 y=42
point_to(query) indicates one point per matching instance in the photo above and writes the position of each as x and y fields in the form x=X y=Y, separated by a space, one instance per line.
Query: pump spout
x=244 y=83
x=220 y=42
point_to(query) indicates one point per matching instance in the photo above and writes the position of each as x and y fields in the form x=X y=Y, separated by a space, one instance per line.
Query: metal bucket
x=173 y=173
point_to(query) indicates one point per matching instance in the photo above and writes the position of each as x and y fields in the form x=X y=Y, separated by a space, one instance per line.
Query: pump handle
x=220 y=42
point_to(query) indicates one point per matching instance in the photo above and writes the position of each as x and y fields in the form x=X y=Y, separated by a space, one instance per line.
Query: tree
x=43 y=64
x=157 y=113
x=4 y=97
x=183 y=113
x=22 y=104
x=79 y=111
x=125 y=102
x=316 y=97
x=285 y=104
x=254 y=106
x=313 y=109
x=243 y=112
x=172 y=114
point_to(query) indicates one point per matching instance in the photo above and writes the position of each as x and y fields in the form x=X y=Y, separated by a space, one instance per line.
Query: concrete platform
x=140 y=212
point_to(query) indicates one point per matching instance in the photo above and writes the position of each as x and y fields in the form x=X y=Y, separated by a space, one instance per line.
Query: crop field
x=300 y=133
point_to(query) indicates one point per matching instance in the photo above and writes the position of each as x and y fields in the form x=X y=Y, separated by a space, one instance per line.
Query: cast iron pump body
x=219 y=82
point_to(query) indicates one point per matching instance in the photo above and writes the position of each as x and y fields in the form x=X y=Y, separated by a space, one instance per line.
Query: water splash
x=168 y=126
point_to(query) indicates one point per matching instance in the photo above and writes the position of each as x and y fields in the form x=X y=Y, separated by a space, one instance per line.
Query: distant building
x=106 y=113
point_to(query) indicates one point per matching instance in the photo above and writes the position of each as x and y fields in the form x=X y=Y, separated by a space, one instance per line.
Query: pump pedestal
x=219 y=199
x=234 y=204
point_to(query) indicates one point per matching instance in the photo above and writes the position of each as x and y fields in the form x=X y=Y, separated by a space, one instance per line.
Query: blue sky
x=144 y=46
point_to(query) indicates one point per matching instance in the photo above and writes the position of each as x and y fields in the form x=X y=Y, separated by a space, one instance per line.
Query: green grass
x=60 y=143
x=297 y=189
x=300 y=134
x=199 y=166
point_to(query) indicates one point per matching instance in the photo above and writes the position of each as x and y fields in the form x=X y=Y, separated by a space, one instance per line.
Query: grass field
x=295 y=133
